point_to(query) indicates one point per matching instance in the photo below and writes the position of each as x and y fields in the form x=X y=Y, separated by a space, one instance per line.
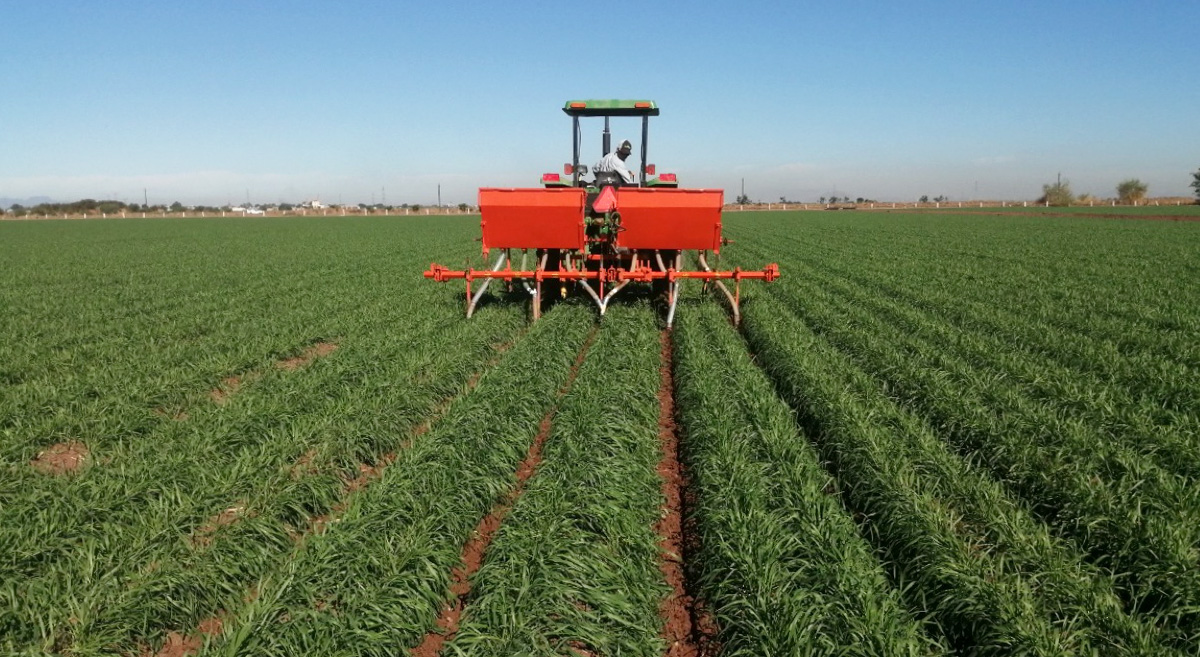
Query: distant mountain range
x=27 y=202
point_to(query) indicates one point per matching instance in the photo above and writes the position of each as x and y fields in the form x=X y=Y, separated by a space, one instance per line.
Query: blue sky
x=215 y=102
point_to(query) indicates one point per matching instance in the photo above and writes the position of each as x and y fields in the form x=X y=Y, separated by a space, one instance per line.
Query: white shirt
x=613 y=162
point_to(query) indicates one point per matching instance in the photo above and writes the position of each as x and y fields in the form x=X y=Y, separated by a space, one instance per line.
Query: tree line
x=92 y=206
x=1129 y=192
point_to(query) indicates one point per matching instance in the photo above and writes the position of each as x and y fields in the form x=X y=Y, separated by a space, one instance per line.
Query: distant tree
x=462 y=207
x=286 y=207
x=940 y=199
x=742 y=199
x=416 y=207
x=924 y=198
x=1195 y=184
x=1131 y=191
x=176 y=207
x=822 y=200
x=833 y=199
x=860 y=200
x=1058 y=193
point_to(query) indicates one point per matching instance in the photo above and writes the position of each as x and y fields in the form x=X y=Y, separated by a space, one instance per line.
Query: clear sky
x=213 y=102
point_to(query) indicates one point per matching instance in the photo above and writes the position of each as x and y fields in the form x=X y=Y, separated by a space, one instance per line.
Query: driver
x=615 y=162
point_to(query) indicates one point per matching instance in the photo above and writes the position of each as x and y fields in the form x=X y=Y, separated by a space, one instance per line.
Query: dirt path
x=689 y=632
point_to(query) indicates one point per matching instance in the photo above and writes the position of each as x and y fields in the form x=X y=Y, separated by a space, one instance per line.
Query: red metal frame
x=640 y=274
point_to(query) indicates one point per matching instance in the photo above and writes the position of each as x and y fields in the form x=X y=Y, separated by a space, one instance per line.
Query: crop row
x=1106 y=496
x=150 y=524
x=991 y=575
x=139 y=541
x=117 y=322
x=575 y=566
x=1067 y=424
x=934 y=435
x=781 y=563
x=375 y=581
x=1149 y=416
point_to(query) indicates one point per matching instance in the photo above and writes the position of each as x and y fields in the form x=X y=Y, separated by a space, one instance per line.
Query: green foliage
x=575 y=563
x=1057 y=194
x=1131 y=191
x=778 y=555
x=1020 y=370
x=1195 y=184
x=933 y=434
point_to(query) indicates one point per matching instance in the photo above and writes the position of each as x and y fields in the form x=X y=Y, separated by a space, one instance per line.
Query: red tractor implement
x=599 y=236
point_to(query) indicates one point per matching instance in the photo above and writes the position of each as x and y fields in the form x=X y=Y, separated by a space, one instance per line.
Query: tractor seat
x=608 y=179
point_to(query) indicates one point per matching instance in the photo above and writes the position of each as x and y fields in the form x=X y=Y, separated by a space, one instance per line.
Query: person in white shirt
x=615 y=162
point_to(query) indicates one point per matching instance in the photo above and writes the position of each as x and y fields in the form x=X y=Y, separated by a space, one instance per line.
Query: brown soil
x=475 y=549
x=223 y=392
x=178 y=645
x=310 y=354
x=367 y=473
x=688 y=634
x=304 y=466
x=61 y=458
x=580 y=649
x=203 y=536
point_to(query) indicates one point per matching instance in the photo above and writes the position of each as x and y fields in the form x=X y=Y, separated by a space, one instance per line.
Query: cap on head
x=625 y=146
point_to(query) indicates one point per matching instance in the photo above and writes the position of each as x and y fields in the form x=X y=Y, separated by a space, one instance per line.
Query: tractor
x=597 y=237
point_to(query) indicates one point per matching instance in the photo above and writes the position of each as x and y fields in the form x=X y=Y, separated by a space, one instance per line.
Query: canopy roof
x=610 y=107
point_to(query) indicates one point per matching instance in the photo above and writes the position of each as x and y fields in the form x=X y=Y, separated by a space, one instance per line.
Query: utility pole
x=439 y=195
x=145 y=198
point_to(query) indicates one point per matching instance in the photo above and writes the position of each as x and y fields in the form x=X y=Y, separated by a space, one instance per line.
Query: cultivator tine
x=474 y=300
x=733 y=299
x=612 y=292
x=542 y=268
x=673 y=292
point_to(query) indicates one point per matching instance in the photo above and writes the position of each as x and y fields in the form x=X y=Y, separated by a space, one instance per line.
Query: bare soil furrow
x=686 y=634
x=474 y=551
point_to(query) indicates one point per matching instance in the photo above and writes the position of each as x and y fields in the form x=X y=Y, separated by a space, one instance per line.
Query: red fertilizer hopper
x=597 y=237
